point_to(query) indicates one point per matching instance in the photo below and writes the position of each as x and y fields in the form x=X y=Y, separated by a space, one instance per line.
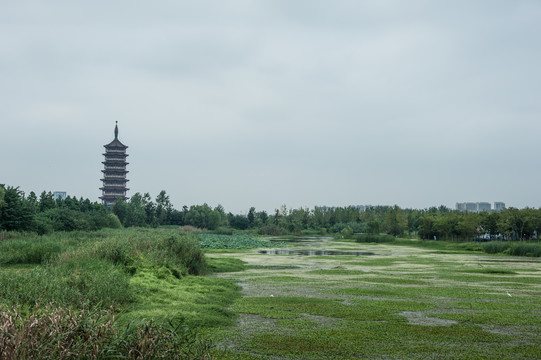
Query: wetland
x=320 y=300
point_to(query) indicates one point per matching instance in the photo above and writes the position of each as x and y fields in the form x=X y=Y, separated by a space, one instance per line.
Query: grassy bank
x=120 y=286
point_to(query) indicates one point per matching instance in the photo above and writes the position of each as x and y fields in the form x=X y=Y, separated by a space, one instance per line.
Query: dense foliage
x=72 y=295
x=45 y=214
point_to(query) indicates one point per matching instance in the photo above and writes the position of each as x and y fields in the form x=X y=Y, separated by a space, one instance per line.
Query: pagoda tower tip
x=116 y=130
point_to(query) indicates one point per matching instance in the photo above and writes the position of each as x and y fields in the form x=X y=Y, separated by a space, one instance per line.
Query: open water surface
x=315 y=252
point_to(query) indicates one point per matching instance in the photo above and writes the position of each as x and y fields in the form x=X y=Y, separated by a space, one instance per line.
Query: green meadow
x=164 y=293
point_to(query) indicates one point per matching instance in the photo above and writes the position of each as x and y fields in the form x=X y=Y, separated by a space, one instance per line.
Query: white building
x=59 y=194
x=499 y=206
x=479 y=206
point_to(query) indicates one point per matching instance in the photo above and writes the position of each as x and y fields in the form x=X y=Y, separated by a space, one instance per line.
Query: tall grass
x=61 y=333
x=87 y=268
x=33 y=250
x=181 y=254
x=513 y=248
x=80 y=283
x=62 y=299
x=368 y=238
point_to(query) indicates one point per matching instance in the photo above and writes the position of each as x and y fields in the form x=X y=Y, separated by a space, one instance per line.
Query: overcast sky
x=264 y=103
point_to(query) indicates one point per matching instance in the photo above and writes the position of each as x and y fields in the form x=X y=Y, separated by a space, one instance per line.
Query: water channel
x=315 y=252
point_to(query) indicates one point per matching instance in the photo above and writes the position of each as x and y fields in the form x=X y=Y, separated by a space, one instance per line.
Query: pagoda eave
x=115 y=171
x=114 y=178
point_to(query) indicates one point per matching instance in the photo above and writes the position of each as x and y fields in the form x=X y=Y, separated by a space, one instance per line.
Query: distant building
x=114 y=172
x=479 y=206
x=499 y=206
x=461 y=206
x=483 y=206
x=471 y=207
x=59 y=194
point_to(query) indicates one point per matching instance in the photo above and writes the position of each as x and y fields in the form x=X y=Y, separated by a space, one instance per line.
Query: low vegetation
x=109 y=294
x=405 y=301
x=53 y=332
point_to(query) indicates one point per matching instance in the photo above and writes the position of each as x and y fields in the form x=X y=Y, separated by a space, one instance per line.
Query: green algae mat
x=400 y=303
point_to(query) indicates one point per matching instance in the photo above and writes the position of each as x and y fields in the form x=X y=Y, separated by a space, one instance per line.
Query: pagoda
x=114 y=172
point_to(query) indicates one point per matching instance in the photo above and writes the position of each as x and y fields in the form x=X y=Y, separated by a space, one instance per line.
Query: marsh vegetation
x=402 y=302
x=145 y=293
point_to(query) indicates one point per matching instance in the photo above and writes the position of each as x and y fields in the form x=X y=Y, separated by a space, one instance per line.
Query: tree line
x=44 y=214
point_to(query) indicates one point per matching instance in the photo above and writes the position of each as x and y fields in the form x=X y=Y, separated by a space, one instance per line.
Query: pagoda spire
x=116 y=130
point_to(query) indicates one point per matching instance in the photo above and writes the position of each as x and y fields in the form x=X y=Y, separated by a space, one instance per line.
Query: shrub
x=354 y=226
x=346 y=232
x=113 y=221
x=186 y=251
x=271 y=230
x=62 y=333
x=189 y=228
x=224 y=231
x=367 y=238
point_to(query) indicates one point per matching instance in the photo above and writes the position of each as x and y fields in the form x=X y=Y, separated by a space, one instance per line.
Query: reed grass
x=52 y=332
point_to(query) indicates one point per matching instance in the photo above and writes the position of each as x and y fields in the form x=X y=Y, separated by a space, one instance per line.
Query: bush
x=186 y=251
x=346 y=232
x=513 y=248
x=368 y=238
x=271 y=230
x=354 y=226
x=224 y=231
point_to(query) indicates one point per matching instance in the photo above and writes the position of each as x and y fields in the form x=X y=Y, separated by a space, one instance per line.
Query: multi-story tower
x=114 y=172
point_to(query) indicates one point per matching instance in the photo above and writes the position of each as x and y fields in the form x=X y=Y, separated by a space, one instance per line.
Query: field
x=402 y=302
x=142 y=293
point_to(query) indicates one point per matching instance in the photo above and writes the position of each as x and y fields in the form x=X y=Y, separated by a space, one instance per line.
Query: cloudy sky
x=263 y=103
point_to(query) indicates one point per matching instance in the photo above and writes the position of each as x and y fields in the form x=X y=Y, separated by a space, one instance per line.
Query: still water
x=314 y=252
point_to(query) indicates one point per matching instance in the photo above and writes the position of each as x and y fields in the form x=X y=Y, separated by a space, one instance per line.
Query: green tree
x=150 y=210
x=136 y=215
x=163 y=208
x=202 y=216
x=372 y=227
x=2 y=193
x=263 y=216
x=395 y=223
x=46 y=201
x=15 y=212
x=251 y=216
x=239 y=222
x=120 y=209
